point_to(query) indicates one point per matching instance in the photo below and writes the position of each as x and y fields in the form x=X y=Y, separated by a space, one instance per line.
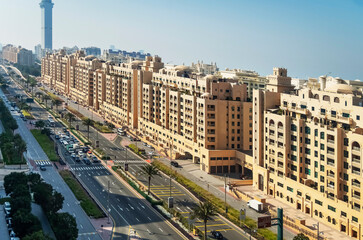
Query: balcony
x=356 y=172
x=331 y=186
x=302 y=110
x=356 y=184
x=331 y=175
x=355 y=160
x=280 y=165
x=356 y=208
x=330 y=153
x=346 y=120
x=356 y=196
x=356 y=150
x=330 y=163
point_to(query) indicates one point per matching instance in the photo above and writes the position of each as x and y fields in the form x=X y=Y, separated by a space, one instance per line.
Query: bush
x=46 y=143
x=64 y=226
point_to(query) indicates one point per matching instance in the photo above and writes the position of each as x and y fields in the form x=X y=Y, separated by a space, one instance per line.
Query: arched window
x=336 y=100
x=316 y=96
x=355 y=146
x=272 y=123
x=326 y=98
x=280 y=125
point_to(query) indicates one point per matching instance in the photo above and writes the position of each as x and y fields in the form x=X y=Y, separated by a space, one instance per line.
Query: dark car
x=87 y=161
x=64 y=129
x=85 y=149
x=57 y=136
x=95 y=159
x=174 y=163
x=77 y=159
x=42 y=168
x=217 y=235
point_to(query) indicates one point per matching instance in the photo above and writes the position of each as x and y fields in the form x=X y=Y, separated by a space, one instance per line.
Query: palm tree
x=57 y=103
x=32 y=85
x=87 y=122
x=39 y=94
x=150 y=171
x=46 y=98
x=70 y=118
x=204 y=211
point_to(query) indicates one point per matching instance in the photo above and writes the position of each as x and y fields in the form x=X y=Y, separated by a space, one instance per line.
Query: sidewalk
x=215 y=185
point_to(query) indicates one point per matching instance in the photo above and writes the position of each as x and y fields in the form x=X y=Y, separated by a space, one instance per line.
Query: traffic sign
x=264 y=222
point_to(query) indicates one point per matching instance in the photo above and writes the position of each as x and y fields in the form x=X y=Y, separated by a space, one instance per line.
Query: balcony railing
x=356 y=196
x=355 y=184
x=356 y=160
x=331 y=186
x=331 y=163
x=356 y=172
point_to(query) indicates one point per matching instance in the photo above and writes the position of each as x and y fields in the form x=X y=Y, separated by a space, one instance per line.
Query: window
x=316 y=132
x=346 y=142
x=346 y=153
x=346 y=115
x=322 y=147
x=322 y=111
x=343 y=214
x=358 y=117
x=312 y=108
x=318 y=202
x=345 y=188
x=307 y=171
x=290 y=189
x=307 y=130
x=307 y=161
x=316 y=143
x=293 y=127
x=346 y=165
x=293 y=158
x=293 y=167
x=322 y=168
x=322 y=135
x=307 y=140
x=322 y=189
x=307 y=151
x=354 y=219
x=293 y=138
x=322 y=179
x=345 y=177
x=315 y=164
x=315 y=153
x=299 y=193
x=280 y=184
x=331 y=208
x=293 y=148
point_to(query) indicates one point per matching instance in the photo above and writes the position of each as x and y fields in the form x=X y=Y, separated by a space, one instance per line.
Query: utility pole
x=108 y=201
x=225 y=192
x=170 y=199
x=170 y=166
x=317 y=227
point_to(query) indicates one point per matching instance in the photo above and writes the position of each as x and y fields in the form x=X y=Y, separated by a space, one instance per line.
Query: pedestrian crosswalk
x=132 y=161
x=91 y=168
x=42 y=162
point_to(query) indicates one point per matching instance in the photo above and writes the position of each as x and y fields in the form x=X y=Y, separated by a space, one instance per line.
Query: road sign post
x=264 y=222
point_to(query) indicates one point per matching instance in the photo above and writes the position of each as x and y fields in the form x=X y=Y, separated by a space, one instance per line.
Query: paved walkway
x=3 y=227
x=38 y=212
x=103 y=228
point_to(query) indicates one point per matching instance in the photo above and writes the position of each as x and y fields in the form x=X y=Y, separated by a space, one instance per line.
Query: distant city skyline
x=310 y=38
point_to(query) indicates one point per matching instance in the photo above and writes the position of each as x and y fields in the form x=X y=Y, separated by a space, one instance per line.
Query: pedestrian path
x=43 y=162
x=132 y=161
x=91 y=168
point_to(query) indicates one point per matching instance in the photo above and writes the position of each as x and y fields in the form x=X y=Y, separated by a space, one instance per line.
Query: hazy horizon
x=310 y=38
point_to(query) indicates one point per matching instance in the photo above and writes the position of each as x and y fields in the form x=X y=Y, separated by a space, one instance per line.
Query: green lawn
x=87 y=203
x=46 y=144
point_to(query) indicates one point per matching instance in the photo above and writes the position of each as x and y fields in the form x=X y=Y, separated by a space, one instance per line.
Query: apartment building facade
x=308 y=148
x=18 y=55
x=203 y=118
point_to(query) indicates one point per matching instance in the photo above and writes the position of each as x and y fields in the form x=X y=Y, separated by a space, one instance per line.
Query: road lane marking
x=137 y=219
x=131 y=207
x=161 y=230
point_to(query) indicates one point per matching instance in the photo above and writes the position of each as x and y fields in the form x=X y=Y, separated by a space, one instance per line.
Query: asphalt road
x=51 y=176
x=160 y=185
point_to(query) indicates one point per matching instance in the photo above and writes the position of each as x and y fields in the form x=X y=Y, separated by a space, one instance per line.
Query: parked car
x=7 y=206
x=217 y=235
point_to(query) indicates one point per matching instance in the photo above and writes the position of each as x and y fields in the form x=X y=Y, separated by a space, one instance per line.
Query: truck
x=256 y=205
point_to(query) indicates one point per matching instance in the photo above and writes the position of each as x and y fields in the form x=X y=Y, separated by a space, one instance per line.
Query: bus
x=50 y=122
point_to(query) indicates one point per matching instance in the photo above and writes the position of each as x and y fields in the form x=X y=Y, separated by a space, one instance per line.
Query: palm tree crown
x=204 y=211
x=150 y=171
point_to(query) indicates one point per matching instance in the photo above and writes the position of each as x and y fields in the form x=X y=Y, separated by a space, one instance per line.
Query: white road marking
x=138 y=220
x=161 y=230
x=149 y=218
x=131 y=207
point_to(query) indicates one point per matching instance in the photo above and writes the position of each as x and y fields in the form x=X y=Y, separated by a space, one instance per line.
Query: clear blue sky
x=309 y=37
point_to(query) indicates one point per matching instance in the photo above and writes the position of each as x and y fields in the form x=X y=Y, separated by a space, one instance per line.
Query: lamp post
x=225 y=192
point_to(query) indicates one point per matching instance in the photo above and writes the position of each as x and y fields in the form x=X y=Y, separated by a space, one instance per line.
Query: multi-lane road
x=35 y=153
x=132 y=215
x=184 y=202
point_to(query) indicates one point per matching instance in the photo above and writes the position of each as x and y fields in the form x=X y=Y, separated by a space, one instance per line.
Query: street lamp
x=225 y=192
x=317 y=229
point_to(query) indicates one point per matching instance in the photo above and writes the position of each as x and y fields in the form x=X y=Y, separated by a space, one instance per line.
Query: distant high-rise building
x=47 y=30
x=92 y=51
x=18 y=55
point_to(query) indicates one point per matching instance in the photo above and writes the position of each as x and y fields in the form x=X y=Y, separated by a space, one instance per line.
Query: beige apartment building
x=203 y=118
x=308 y=148
x=18 y=55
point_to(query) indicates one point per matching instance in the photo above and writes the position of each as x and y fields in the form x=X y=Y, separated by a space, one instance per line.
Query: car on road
x=217 y=235
x=42 y=167
x=77 y=159
x=73 y=155
x=86 y=161
x=95 y=159
x=174 y=163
